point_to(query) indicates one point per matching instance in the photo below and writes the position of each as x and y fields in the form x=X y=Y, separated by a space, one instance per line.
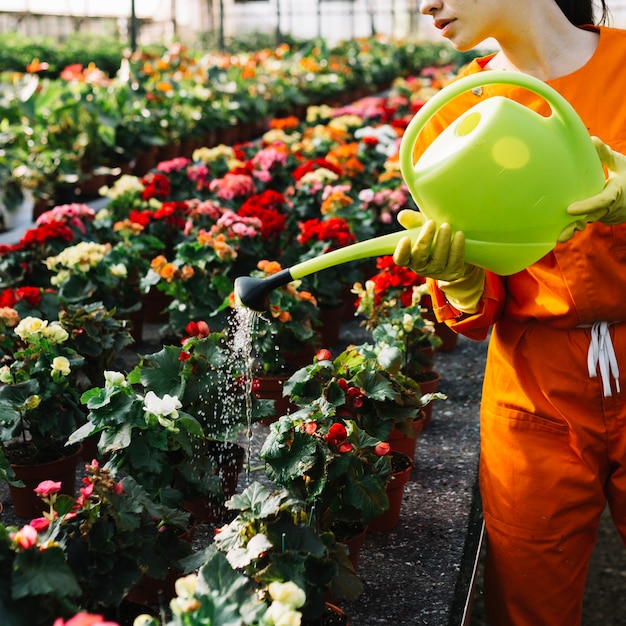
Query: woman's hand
x=608 y=206
x=439 y=255
x=436 y=253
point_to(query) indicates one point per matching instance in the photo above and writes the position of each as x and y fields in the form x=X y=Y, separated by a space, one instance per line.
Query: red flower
x=310 y=428
x=337 y=433
x=344 y=446
x=184 y=355
x=44 y=233
x=197 y=329
x=142 y=218
x=382 y=448
x=324 y=355
x=32 y=295
x=155 y=186
x=40 y=524
x=311 y=166
x=343 y=383
x=272 y=222
x=25 y=538
x=8 y=298
x=333 y=231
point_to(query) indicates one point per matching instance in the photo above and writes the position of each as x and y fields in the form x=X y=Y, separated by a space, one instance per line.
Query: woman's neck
x=546 y=53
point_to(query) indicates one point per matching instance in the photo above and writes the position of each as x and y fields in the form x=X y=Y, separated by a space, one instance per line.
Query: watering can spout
x=253 y=293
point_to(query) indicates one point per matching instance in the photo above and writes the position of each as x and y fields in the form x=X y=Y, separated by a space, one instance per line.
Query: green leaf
x=161 y=372
x=40 y=573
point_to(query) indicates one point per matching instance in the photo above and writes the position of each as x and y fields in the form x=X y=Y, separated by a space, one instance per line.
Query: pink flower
x=47 y=488
x=26 y=537
x=84 y=619
x=40 y=523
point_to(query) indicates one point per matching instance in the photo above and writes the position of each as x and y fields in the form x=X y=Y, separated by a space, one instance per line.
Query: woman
x=553 y=412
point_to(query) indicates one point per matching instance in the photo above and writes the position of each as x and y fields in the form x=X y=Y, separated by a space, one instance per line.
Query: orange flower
x=168 y=272
x=36 y=66
x=158 y=262
x=163 y=86
x=269 y=267
x=285 y=123
x=307 y=296
x=186 y=272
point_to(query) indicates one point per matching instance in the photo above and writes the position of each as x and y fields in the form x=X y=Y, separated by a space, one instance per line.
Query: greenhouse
x=308 y=313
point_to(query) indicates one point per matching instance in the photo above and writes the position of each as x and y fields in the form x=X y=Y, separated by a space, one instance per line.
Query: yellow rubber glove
x=440 y=255
x=608 y=206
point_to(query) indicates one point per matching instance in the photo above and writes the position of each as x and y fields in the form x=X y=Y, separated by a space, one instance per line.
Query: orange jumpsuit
x=553 y=440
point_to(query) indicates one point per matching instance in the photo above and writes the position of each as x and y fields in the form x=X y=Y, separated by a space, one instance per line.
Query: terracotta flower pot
x=429 y=383
x=395 y=492
x=26 y=503
x=404 y=444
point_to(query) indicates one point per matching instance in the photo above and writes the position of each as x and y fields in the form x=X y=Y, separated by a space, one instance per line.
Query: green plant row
x=56 y=132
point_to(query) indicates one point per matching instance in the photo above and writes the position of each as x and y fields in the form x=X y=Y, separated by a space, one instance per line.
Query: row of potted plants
x=58 y=133
x=187 y=229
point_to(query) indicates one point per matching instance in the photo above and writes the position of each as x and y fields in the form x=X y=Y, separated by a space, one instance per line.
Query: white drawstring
x=602 y=353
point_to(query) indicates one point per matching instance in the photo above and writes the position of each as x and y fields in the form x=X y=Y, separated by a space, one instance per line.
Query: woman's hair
x=580 y=12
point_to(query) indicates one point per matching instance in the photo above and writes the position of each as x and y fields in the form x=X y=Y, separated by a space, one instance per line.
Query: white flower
x=287 y=593
x=56 y=333
x=5 y=375
x=145 y=620
x=165 y=409
x=32 y=402
x=280 y=614
x=407 y=322
x=114 y=379
x=118 y=270
x=60 y=365
x=186 y=586
x=30 y=327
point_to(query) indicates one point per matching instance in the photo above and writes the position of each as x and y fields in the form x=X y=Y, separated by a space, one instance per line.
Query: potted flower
x=199 y=277
x=362 y=384
x=88 y=553
x=220 y=593
x=39 y=405
x=271 y=540
x=97 y=272
x=319 y=236
x=215 y=592
x=331 y=464
x=393 y=298
x=37 y=585
x=170 y=420
x=22 y=263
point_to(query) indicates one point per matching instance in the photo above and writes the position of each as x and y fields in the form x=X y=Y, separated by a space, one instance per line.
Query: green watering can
x=501 y=173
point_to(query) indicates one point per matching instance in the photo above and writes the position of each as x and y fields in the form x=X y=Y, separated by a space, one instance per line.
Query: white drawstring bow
x=601 y=353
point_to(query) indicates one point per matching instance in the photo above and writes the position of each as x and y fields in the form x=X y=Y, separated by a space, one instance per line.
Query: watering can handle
x=561 y=107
